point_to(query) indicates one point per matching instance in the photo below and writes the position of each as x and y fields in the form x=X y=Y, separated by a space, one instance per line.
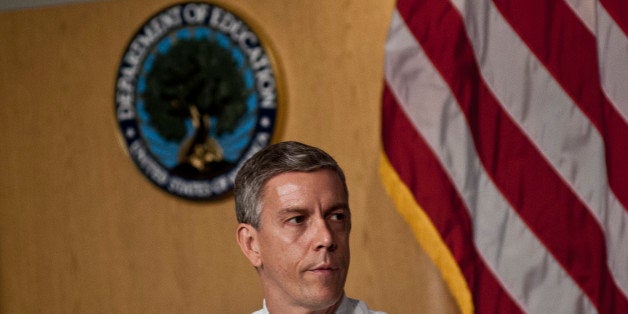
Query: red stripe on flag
x=558 y=218
x=569 y=51
x=420 y=170
x=618 y=10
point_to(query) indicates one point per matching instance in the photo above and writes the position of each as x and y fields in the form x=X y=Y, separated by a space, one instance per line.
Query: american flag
x=505 y=138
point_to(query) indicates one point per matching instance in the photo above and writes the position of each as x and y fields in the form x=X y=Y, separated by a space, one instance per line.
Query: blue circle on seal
x=196 y=95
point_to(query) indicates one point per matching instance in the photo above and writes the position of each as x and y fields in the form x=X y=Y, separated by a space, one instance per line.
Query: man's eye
x=296 y=220
x=337 y=216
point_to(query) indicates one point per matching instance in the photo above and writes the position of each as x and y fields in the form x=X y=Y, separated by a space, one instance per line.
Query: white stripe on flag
x=549 y=117
x=514 y=253
x=612 y=49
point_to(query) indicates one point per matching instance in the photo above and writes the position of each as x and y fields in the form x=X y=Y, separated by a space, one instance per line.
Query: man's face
x=304 y=238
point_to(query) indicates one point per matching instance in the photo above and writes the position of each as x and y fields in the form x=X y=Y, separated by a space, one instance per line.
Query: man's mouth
x=324 y=268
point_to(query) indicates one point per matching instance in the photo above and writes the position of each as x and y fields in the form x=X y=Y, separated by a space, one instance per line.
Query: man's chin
x=324 y=299
x=323 y=296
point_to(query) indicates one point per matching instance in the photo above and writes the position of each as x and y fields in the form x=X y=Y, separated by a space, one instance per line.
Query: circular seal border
x=246 y=35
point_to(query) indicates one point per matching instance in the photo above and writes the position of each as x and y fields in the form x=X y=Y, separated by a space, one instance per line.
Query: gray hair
x=269 y=162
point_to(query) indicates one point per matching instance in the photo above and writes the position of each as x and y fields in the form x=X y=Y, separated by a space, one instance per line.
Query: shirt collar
x=345 y=306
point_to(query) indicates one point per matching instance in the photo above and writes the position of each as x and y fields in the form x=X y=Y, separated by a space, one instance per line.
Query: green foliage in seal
x=194 y=79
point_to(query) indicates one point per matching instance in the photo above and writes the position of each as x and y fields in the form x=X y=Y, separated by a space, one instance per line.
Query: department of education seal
x=196 y=95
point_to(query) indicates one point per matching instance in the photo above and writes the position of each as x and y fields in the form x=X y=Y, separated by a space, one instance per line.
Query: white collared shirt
x=347 y=306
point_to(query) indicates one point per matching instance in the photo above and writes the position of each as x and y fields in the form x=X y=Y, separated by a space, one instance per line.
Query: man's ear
x=249 y=243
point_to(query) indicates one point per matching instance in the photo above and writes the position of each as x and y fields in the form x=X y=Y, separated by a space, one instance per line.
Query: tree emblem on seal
x=197 y=81
x=197 y=93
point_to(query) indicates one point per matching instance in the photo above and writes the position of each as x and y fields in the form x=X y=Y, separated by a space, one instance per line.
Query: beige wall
x=81 y=230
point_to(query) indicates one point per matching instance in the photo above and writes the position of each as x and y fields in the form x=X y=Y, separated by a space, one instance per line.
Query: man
x=292 y=206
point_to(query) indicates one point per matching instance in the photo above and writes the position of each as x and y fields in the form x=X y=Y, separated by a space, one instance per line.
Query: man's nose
x=323 y=236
